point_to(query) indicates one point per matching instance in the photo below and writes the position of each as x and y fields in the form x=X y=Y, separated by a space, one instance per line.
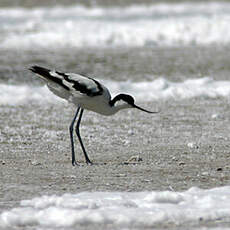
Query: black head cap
x=124 y=97
x=128 y=99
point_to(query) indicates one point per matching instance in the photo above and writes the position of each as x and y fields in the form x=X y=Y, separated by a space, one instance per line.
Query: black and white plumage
x=85 y=93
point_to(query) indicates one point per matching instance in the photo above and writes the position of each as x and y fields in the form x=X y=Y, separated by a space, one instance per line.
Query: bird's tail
x=43 y=72
x=49 y=75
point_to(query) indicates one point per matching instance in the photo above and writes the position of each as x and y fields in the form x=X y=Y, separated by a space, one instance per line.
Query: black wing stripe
x=46 y=74
x=83 y=88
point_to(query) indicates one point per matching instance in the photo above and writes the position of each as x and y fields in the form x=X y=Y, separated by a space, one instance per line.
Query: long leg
x=79 y=137
x=71 y=136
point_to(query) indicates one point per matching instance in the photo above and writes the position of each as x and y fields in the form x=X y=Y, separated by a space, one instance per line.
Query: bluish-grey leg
x=79 y=137
x=71 y=136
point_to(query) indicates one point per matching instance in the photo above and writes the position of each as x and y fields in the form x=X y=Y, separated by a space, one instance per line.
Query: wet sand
x=119 y=63
x=185 y=145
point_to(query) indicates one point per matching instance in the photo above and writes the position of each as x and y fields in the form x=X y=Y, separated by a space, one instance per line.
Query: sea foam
x=123 y=209
x=159 y=89
x=137 y=25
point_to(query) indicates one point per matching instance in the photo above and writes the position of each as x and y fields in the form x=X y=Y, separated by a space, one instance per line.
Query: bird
x=85 y=93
